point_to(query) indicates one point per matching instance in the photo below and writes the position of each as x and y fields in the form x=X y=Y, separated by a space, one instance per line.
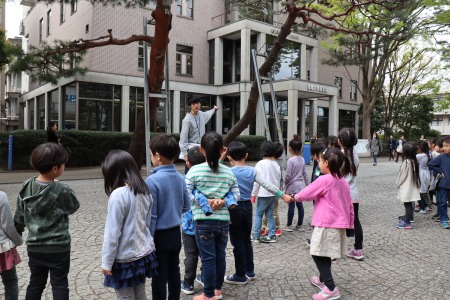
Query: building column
x=313 y=64
x=125 y=107
x=219 y=114
x=25 y=116
x=46 y=111
x=312 y=116
x=303 y=62
x=245 y=55
x=60 y=107
x=333 y=117
x=292 y=117
x=243 y=103
x=36 y=117
x=218 y=61
x=176 y=112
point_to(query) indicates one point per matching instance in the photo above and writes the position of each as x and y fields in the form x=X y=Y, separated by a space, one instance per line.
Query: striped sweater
x=212 y=185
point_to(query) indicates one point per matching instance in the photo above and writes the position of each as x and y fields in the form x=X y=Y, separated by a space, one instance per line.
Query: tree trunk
x=163 y=24
x=252 y=105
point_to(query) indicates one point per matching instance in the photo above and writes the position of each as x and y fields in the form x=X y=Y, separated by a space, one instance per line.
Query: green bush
x=85 y=148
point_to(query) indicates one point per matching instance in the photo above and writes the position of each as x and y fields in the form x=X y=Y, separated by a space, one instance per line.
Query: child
x=191 y=252
x=271 y=171
x=316 y=149
x=279 y=150
x=296 y=179
x=128 y=253
x=408 y=183
x=170 y=201
x=240 y=231
x=441 y=165
x=348 y=140
x=423 y=158
x=333 y=214
x=44 y=206
x=332 y=142
x=213 y=180
x=9 y=258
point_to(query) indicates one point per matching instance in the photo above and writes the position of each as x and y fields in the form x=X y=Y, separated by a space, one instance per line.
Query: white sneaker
x=422 y=211
x=299 y=228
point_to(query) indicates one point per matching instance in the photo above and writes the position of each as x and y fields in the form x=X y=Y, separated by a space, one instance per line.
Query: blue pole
x=10 y=152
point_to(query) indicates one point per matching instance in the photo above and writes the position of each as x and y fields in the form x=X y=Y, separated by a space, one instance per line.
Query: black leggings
x=324 y=266
x=409 y=212
x=358 y=228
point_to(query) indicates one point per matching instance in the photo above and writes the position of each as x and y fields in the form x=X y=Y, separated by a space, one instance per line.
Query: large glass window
x=184 y=60
x=322 y=121
x=41 y=112
x=288 y=63
x=231 y=113
x=30 y=107
x=69 y=107
x=53 y=103
x=227 y=61
x=347 y=119
x=136 y=105
x=99 y=107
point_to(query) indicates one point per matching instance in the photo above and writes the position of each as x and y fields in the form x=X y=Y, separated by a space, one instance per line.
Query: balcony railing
x=234 y=14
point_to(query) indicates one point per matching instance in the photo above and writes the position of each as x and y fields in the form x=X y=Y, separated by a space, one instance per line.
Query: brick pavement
x=398 y=264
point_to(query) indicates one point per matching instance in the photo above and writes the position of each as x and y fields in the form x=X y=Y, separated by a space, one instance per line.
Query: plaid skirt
x=9 y=259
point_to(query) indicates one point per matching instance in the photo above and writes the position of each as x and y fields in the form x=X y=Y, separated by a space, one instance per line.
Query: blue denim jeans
x=212 y=238
x=240 y=239
x=264 y=205
x=291 y=211
x=442 y=198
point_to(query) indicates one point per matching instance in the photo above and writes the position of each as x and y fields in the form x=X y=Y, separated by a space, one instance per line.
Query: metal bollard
x=10 y=152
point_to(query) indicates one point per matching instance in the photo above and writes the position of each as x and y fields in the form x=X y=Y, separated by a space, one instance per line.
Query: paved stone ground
x=398 y=264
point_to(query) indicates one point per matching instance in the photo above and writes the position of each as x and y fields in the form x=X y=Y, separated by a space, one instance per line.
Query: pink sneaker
x=355 y=254
x=218 y=294
x=316 y=281
x=203 y=297
x=326 y=294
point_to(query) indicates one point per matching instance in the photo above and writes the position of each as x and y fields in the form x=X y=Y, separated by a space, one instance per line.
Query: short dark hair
x=194 y=99
x=279 y=150
x=45 y=156
x=267 y=149
x=335 y=159
x=317 y=147
x=166 y=146
x=119 y=168
x=195 y=157
x=51 y=124
x=447 y=140
x=440 y=142
x=237 y=150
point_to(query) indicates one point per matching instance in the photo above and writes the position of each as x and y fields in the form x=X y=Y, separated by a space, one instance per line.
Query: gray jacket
x=375 y=146
x=7 y=229
x=193 y=129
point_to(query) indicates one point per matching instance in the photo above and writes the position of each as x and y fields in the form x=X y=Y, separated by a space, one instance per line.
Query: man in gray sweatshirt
x=193 y=126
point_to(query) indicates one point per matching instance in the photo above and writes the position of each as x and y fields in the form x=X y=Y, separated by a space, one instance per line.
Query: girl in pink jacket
x=333 y=214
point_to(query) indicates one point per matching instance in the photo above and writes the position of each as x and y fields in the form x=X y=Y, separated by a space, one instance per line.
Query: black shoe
x=435 y=216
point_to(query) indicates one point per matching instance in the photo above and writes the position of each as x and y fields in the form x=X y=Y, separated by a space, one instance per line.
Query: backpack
x=434 y=181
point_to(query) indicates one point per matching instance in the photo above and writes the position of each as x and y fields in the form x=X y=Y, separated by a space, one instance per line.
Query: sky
x=13 y=18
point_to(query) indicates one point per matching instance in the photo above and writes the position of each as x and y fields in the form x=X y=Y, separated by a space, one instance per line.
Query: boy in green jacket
x=44 y=206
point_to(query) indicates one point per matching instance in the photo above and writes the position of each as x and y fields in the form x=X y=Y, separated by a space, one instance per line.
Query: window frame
x=62 y=12
x=41 y=29
x=73 y=6
x=49 y=17
x=182 y=59
x=353 y=90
